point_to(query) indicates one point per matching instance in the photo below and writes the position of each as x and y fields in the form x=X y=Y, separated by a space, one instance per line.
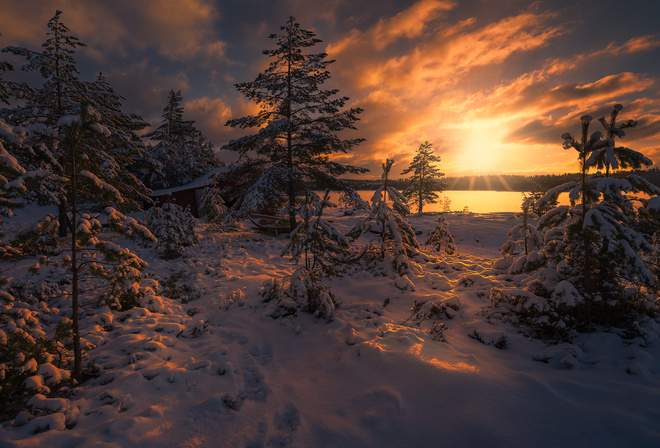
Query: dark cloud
x=490 y=84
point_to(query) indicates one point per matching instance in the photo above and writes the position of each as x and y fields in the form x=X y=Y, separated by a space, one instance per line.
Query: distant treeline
x=504 y=182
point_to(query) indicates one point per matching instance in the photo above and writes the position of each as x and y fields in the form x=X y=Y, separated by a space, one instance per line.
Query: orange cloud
x=409 y=23
x=208 y=112
x=641 y=43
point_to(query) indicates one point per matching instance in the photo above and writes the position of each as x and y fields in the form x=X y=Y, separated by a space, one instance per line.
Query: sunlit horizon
x=491 y=88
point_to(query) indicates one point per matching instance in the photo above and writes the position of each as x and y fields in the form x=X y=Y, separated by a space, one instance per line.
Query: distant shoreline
x=504 y=182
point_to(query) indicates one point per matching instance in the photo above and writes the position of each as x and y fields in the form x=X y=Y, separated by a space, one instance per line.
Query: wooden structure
x=189 y=195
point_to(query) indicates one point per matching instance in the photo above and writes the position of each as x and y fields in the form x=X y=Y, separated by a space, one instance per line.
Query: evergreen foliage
x=212 y=206
x=594 y=269
x=298 y=125
x=174 y=228
x=106 y=159
x=423 y=188
x=120 y=156
x=26 y=350
x=27 y=353
x=182 y=153
x=320 y=251
x=522 y=252
x=397 y=238
x=115 y=266
x=615 y=157
x=440 y=238
x=59 y=96
x=316 y=243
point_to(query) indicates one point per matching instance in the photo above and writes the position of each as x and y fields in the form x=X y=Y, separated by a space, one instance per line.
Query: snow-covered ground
x=210 y=368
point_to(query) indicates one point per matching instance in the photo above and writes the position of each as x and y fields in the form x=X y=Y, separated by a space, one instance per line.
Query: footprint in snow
x=254 y=386
x=263 y=355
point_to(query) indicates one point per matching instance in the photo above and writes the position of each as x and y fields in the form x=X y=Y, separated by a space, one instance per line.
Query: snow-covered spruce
x=181 y=153
x=522 y=252
x=320 y=251
x=397 y=238
x=298 y=125
x=441 y=238
x=174 y=228
x=594 y=268
x=27 y=351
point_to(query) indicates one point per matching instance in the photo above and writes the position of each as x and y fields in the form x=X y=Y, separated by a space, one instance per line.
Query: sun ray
x=504 y=182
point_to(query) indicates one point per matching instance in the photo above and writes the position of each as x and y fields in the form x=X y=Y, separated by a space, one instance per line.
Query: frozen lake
x=477 y=201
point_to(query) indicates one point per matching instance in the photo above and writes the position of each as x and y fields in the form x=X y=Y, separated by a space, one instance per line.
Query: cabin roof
x=200 y=182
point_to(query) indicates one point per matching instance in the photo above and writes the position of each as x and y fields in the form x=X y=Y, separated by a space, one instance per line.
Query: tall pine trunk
x=77 y=354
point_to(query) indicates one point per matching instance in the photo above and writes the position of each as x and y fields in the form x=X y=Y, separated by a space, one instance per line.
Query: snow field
x=212 y=369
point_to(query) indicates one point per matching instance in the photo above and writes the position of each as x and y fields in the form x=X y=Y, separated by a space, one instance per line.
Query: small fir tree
x=397 y=238
x=525 y=241
x=319 y=251
x=440 y=238
x=424 y=185
x=174 y=228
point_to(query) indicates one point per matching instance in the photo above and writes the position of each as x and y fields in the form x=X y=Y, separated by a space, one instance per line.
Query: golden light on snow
x=461 y=367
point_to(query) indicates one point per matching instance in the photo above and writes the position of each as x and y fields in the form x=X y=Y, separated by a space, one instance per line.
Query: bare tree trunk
x=63 y=218
x=77 y=354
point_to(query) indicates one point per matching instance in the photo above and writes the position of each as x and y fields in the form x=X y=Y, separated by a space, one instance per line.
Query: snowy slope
x=210 y=368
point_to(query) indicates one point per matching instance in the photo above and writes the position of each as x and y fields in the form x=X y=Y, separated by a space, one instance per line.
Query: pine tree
x=174 y=228
x=174 y=129
x=424 y=187
x=298 y=124
x=441 y=239
x=118 y=267
x=59 y=96
x=524 y=237
x=182 y=152
x=319 y=251
x=71 y=161
x=397 y=238
x=594 y=268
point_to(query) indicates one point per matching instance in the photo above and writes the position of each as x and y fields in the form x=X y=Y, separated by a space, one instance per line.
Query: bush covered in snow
x=30 y=360
x=213 y=207
x=174 y=227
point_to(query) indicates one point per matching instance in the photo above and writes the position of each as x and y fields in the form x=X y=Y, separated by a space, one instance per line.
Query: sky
x=491 y=84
